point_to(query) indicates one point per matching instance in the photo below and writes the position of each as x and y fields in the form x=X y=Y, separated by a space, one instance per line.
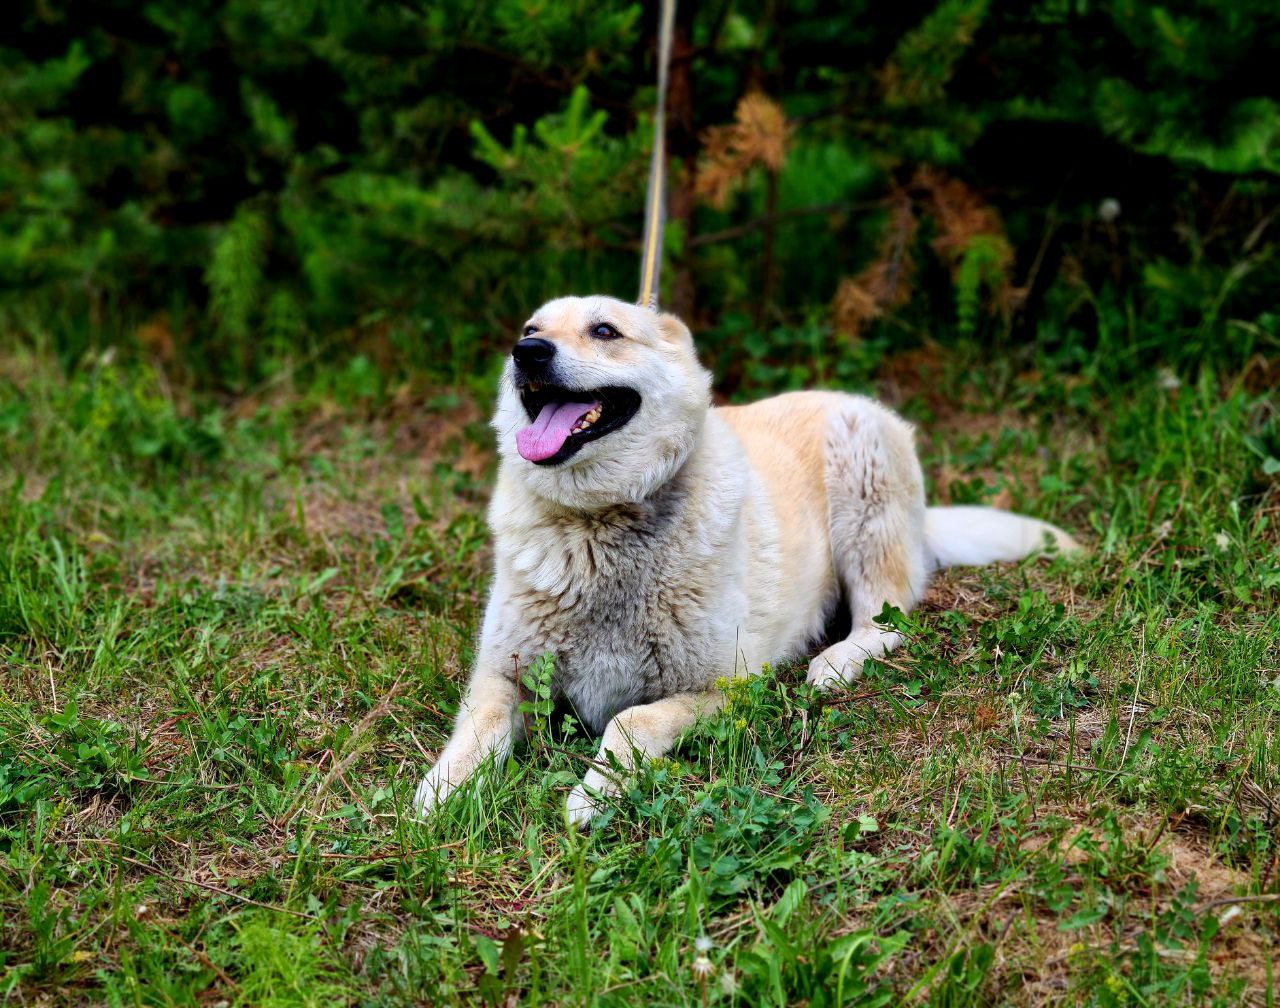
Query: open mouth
x=566 y=419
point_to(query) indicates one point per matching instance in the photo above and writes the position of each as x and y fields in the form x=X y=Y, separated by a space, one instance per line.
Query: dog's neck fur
x=561 y=549
x=666 y=502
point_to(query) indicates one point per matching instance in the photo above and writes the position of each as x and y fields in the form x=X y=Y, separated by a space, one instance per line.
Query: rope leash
x=655 y=205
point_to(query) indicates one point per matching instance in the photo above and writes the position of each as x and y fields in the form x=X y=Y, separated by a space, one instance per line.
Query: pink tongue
x=546 y=435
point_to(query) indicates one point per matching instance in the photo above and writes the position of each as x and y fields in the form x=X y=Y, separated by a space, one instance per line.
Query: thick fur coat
x=661 y=544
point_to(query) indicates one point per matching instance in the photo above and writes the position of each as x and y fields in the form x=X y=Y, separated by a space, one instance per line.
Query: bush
x=230 y=184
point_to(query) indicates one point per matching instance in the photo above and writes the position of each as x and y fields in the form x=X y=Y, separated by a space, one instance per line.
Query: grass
x=232 y=635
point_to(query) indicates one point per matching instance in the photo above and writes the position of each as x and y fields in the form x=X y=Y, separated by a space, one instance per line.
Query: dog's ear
x=675 y=331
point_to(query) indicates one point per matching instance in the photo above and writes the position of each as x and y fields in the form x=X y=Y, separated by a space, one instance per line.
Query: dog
x=655 y=545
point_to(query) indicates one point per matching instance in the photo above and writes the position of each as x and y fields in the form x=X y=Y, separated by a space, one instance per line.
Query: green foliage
x=925 y=58
x=780 y=970
x=981 y=271
x=282 y=965
x=537 y=704
x=271 y=180
x=234 y=274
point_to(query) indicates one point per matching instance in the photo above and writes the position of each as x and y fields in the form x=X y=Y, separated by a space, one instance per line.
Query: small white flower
x=703 y=967
x=1109 y=210
x=1228 y=915
x=703 y=945
x=729 y=982
x=1166 y=379
x=140 y=911
x=1222 y=540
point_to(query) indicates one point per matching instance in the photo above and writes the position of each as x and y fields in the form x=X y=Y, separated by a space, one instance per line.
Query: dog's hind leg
x=644 y=731
x=486 y=725
x=876 y=510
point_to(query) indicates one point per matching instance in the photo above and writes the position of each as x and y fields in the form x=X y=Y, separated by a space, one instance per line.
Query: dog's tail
x=973 y=536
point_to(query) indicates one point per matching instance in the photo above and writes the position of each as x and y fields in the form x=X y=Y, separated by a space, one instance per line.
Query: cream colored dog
x=654 y=544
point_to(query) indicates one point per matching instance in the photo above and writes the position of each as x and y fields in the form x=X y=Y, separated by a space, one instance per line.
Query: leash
x=655 y=204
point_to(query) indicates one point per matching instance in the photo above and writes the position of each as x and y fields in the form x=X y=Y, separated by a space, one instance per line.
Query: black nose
x=533 y=353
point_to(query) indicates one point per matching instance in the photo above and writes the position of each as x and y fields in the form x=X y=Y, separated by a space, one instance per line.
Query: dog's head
x=601 y=401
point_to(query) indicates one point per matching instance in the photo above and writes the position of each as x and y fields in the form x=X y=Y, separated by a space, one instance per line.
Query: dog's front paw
x=585 y=801
x=432 y=791
x=833 y=668
x=581 y=808
x=842 y=663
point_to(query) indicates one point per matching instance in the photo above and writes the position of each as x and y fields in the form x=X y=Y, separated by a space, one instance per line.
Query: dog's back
x=782 y=438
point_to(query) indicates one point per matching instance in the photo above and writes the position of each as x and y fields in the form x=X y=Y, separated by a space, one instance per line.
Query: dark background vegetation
x=236 y=187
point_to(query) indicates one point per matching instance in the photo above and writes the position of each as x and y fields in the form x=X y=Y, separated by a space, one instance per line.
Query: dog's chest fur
x=632 y=601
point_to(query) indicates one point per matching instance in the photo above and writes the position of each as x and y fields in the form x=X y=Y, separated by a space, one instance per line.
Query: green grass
x=232 y=635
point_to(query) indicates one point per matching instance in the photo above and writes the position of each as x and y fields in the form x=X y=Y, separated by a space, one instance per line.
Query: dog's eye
x=602 y=330
x=529 y=330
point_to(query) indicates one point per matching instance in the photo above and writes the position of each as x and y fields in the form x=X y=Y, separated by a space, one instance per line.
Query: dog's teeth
x=586 y=422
